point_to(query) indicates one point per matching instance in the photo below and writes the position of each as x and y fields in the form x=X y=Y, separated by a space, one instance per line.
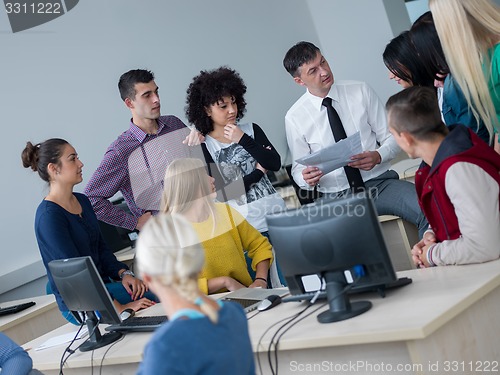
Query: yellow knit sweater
x=224 y=248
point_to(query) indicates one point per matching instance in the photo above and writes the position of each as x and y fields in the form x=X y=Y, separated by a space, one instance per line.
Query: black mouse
x=127 y=313
x=269 y=302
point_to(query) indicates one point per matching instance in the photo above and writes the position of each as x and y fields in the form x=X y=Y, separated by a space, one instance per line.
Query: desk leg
x=409 y=234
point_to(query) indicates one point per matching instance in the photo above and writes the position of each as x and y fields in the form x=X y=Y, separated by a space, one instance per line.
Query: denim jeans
x=393 y=196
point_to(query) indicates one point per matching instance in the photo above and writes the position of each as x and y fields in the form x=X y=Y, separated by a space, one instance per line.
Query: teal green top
x=494 y=82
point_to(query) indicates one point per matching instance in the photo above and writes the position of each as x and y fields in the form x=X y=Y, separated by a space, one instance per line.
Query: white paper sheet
x=62 y=339
x=335 y=156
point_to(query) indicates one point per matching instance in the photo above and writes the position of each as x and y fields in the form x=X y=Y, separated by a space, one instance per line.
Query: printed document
x=335 y=156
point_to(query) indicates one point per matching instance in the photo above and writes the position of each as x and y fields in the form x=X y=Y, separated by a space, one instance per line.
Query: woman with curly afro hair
x=215 y=103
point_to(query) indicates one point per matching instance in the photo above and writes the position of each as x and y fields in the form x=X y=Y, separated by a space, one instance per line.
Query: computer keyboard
x=16 y=308
x=139 y=324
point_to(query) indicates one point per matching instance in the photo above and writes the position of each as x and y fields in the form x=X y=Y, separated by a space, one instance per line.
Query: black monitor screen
x=83 y=291
x=340 y=240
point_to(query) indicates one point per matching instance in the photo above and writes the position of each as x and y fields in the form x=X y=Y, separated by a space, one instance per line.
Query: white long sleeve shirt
x=308 y=130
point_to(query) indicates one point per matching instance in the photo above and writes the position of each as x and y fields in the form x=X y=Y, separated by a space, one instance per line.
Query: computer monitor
x=339 y=240
x=118 y=238
x=83 y=291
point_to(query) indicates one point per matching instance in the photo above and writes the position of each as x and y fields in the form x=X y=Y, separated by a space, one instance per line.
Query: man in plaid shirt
x=142 y=148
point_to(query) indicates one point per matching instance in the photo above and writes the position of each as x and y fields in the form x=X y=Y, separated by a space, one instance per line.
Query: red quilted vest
x=430 y=183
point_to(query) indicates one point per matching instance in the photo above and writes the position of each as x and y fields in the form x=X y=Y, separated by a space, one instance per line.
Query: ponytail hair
x=39 y=156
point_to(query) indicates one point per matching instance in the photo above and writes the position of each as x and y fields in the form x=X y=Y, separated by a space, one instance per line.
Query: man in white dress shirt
x=308 y=130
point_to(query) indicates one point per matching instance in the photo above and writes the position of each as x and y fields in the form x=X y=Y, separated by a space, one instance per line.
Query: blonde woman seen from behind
x=470 y=34
x=225 y=235
x=169 y=258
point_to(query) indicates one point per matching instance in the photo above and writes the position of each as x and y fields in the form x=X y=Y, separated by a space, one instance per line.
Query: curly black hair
x=208 y=88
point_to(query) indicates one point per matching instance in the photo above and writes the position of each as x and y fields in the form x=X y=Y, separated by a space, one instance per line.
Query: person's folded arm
x=261 y=149
x=220 y=184
x=257 y=246
x=252 y=178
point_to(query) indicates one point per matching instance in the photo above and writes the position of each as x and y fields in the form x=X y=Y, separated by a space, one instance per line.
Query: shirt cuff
x=131 y=222
x=430 y=260
x=428 y=230
x=203 y=285
x=245 y=140
x=384 y=153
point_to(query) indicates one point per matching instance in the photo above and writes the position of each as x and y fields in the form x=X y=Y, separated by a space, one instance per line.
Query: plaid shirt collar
x=139 y=134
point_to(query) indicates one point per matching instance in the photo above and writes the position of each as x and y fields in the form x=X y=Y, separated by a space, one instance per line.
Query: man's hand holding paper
x=366 y=160
x=312 y=175
x=346 y=152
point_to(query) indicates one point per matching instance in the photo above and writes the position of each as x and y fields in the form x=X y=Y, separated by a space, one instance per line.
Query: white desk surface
x=126 y=352
x=413 y=312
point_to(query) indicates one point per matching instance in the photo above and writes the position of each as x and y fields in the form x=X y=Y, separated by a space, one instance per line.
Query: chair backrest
x=115 y=237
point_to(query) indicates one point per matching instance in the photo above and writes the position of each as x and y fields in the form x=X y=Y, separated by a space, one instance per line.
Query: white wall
x=416 y=8
x=59 y=79
x=353 y=35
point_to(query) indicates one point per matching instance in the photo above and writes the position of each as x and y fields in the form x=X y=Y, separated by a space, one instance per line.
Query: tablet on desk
x=249 y=298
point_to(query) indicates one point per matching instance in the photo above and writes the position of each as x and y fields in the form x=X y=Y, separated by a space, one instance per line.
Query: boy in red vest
x=458 y=182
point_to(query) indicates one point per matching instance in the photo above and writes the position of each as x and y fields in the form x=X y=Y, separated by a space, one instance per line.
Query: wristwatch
x=125 y=273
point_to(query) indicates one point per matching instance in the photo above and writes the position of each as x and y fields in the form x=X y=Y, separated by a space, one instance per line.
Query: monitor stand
x=340 y=308
x=96 y=340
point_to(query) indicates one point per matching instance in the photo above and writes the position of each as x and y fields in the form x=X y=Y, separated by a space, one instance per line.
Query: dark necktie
x=353 y=175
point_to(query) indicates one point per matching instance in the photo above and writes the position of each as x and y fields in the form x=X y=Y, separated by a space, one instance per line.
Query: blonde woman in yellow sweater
x=225 y=235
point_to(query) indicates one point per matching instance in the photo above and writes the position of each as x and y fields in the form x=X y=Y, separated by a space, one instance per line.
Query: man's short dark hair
x=127 y=82
x=299 y=54
x=415 y=110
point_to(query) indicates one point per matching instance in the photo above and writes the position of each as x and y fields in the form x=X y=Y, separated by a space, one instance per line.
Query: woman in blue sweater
x=202 y=335
x=66 y=225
